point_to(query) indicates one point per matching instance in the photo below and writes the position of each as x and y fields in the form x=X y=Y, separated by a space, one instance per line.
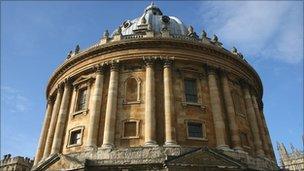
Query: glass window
x=75 y=137
x=130 y=129
x=81 y=100
x=191 y=90
x=195 y=130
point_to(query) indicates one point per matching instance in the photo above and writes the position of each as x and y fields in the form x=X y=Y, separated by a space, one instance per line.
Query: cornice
x=153 y=43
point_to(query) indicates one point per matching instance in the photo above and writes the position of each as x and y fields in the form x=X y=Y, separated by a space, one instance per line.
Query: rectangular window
x=75 y=137
x=81 y=99
x=130 y=129
x=195 y=130
x=191 y=90
x=244 y=139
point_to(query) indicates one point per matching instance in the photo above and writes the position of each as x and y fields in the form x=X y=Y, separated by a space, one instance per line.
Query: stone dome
x=154 y=20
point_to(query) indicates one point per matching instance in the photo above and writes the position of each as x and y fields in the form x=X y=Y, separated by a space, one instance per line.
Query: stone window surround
x=195 y=75
x=84 y=82
x=204 y=138
x=245 y=146
x=137 y=128
x=138 y=101
x=235 y=93
x=81 y=128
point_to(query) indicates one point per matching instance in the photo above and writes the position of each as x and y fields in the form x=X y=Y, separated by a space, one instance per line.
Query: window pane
x=75 y=137
x=130 y=129
x=81 y=100
x=195 y=130
x=191 y=90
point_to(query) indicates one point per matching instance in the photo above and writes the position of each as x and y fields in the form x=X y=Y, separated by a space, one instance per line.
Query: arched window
x=132 y=90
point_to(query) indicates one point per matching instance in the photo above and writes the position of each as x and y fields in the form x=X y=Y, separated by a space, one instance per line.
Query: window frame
x=138 y=100
x=123 y=136
x=191 y=72
x=84 y=82
x=77 y=128
x=204 y=132
x=193 y=88
x=238 y=103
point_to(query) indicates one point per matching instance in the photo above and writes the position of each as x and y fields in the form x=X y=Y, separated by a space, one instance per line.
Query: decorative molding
x=81 y=128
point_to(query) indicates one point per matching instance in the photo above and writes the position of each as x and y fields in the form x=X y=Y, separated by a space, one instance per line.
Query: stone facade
x=137 y=100
x=17 y=163
x=293 y=161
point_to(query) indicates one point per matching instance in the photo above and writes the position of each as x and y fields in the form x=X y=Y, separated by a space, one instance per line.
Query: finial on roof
x=204 y=34
x=234 y=50
x=190 y=30
x=69 y=54
x=215 y=38
x=106 y=34
x=77 y=49
x=152 y=3
x=118 y=31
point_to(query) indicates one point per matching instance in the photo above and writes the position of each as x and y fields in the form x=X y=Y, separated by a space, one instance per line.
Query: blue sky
x=36 y=37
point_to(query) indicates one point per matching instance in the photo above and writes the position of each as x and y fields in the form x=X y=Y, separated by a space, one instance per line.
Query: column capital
x=149 y=61
x=114 y=65
x=211 y=70
x=168 y=61
x=99 y=68
x=50 y=100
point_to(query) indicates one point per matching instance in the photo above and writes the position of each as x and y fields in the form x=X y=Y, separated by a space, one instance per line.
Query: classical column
x=216 y=107
x=44 y=131
x=234 y=130
x=51 y=130
x=260 y=125
x=253 y=121
x=150 y=104
x=169 y=105
x=270 y=152
x=95 y=110
x=109 y=127
x=62 y=117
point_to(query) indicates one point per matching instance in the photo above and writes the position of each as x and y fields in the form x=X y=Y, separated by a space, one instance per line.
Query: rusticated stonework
x=150 y=97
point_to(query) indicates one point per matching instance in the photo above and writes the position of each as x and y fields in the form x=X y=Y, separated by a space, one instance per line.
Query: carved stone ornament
x=106 y=34
x=204 y=34
x=149 y=61
x=77 y=49
x=168 y=61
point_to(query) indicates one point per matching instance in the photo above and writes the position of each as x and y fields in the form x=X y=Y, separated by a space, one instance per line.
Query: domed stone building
x=154 y=95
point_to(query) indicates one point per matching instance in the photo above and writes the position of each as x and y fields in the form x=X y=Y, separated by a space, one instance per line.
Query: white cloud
x=266 y=29
x=13 y=100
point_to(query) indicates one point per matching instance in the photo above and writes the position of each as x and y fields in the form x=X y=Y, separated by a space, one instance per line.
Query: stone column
x=150 y=124
x=62 y=118
x=216 y=107
x=44 y=131
x=95 y=110
x=169 y=105
x=234 y=130
x=109 y=127
x=51 y=130
x=253 y=121
x=260 y=125
x=270 y=152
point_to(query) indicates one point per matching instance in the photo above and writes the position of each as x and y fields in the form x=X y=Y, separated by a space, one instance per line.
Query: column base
x=224 y=147
x=151 y=144
x=107 y=146
x=90 y=148
x=239 y=150
x=170 y=144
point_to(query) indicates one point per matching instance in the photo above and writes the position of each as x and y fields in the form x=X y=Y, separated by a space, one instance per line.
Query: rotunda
x=154 y=95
